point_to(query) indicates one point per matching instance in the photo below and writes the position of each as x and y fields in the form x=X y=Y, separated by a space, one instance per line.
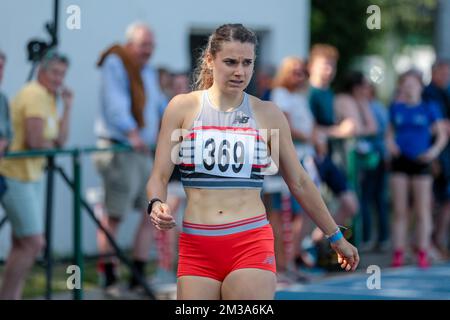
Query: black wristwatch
x=150 y=204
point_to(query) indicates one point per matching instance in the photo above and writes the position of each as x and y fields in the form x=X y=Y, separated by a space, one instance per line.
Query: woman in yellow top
x=226 y=246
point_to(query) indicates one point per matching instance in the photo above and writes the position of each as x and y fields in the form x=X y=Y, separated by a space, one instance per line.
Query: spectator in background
x=347 y=109
x=409 y=139
x=352 y=105
x=36 y=126
x=166 y=241
x=180 y=83
x=264 y=77
x=165 y=79
x=322 y=69
x=364 y=155
x=131 y=108
x=290 y=89
x=436 y=92
x=375 y=189
x=5 y=122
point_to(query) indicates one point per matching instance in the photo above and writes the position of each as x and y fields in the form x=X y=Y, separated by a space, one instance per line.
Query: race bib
x=226 y=154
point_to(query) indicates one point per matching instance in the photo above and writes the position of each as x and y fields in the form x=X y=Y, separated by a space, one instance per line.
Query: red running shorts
x=214 y=251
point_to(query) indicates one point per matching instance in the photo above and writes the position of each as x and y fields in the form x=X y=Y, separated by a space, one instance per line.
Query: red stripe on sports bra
x=224 y=128
x=187 y=165
x=190 y=135
x=261 y=165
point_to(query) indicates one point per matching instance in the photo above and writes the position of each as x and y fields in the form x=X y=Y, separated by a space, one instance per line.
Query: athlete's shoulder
x=182 y=103
x=185 y=100
x=267 y=113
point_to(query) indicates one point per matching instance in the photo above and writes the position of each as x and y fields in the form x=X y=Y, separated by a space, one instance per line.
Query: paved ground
x=408 y=282
x=405 y=283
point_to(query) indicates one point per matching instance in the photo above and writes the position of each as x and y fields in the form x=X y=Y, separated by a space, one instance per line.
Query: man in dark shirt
x=438 y=92
x=322 y=69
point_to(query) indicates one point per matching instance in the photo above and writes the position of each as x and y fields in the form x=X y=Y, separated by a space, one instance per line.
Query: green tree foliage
x=343 y=24
x=411 y=20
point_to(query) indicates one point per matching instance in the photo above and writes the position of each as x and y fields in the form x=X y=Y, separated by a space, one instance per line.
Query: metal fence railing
x=79 y=202
x=273 y=184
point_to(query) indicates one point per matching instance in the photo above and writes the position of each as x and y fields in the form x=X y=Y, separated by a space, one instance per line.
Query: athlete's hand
x=347 y=254
x=161 y=216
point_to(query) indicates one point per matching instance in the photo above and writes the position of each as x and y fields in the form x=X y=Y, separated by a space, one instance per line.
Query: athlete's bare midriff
x=211 y=206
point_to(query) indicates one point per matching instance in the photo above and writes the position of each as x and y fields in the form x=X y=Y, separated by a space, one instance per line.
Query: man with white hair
x=131 y=108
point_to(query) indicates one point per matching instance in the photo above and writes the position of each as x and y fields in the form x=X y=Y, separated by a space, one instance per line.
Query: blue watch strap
x=335 y=237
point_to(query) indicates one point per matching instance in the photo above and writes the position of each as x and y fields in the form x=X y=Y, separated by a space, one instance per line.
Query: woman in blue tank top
x=225 y=141
x=413 y=123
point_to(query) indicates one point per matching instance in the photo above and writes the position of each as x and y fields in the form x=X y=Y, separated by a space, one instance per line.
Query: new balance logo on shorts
x=269 y=260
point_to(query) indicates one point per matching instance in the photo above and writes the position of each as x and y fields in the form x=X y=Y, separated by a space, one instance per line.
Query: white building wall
x=442 y=26
x=104 y=22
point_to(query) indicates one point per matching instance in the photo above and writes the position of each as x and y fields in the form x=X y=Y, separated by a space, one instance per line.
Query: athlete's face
x=233 y=65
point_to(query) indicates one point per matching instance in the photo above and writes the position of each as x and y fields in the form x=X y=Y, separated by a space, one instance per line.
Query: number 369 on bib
x=224 y=153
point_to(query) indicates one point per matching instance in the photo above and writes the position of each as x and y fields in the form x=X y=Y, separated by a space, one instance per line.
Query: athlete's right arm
x=168 y=144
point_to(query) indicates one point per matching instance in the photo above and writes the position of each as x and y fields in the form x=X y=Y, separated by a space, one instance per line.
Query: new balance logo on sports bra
x=241 y=118
x=224 y=149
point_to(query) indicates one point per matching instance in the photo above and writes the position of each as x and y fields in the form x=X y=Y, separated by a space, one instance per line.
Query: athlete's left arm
x=298 y=181
x=302 y=187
